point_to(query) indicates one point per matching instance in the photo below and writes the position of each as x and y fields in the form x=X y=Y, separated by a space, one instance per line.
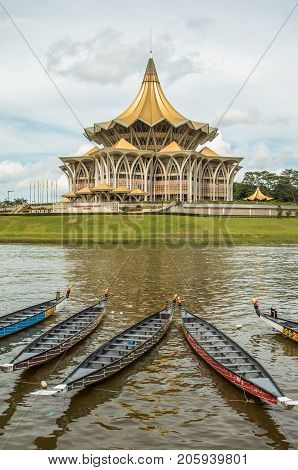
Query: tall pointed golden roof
x=150 y=105
x=150 y=108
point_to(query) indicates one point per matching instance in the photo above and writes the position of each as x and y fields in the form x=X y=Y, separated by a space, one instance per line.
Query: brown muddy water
x=169 y=399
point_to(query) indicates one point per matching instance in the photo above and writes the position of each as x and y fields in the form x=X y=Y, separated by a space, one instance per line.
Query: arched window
x=91 y=169
x=123 y=174
x=220 y=184
x=159 y=181
x=137 y=177
x=207 y=183
x=81 y=178
x=173 y=179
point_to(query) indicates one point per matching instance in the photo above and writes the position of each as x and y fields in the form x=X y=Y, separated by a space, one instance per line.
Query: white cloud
x=10 y=171
x=16 y=176
x=18 y=137
x=219 y=145
x=84 y=148
x=109 y=58
x=239 y=116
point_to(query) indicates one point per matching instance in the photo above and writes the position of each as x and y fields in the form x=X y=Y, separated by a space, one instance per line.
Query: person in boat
x=106 y=292
x=58 y=295
x=179 y=301
x=273 y=312
x=68 y=292
x=256 y=305
x=174 y=298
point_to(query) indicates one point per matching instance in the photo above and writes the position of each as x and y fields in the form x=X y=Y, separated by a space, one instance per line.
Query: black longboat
x=59 y=339
x=117 y=353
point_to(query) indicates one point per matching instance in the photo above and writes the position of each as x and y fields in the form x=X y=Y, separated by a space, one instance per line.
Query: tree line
x=15 y=202
x=282 y=187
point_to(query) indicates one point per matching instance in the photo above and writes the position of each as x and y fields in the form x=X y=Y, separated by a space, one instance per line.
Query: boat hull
x=285 y=331
x=107 y=372
x=31 y=321
x=227 y=374
x=48 y=355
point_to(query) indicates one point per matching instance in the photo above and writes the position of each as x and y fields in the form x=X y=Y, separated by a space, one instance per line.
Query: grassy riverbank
x=146 y=228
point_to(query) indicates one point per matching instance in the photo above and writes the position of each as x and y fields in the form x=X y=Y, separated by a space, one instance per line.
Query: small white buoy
x=112 y=311
x=43 y=384
x=121 y=313
x=238 y=327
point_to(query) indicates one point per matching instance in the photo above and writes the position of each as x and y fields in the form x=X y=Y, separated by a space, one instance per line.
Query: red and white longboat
x=231 y=361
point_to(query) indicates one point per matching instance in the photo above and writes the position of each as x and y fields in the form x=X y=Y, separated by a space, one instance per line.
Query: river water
x=168 y=399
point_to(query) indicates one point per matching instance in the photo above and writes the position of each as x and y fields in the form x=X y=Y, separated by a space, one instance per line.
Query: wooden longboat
x=231 y=361
x=23 y=319
x=58 y=339
x=116 y=353
x=288 y=328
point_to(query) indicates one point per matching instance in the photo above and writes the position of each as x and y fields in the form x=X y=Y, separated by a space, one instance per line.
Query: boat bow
x=287 y=402
x=61 y=388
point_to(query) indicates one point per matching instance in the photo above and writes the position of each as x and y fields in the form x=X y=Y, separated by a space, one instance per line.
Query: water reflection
x=85 y=401
x=165 y=400
x=250 y=408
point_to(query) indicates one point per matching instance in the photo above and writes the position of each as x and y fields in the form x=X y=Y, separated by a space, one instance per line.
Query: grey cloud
x=281 y=121
x=3 y=16
x=248 y=117
x=107 y=58
x=198 y=23
x=239 y=116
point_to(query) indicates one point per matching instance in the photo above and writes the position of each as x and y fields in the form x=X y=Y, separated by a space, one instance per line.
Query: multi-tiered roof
x=151 y=122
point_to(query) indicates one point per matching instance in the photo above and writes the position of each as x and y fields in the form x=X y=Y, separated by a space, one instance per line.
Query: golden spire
x=150 y=72
x=150 y=105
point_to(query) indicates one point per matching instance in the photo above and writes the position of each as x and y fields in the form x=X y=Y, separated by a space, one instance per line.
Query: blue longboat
x=22 y=319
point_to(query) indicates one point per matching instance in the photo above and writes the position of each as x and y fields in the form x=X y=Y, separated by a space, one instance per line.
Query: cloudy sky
x=96 y=52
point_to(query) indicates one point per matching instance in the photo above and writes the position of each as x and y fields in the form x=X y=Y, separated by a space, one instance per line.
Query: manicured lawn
x=147 y=228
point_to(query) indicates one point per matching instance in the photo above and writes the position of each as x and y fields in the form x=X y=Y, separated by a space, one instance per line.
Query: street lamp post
x=8 y=192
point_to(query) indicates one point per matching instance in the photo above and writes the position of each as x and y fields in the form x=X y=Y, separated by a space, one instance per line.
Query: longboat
x=59 y=339
x=231 y=361
x=30 y=316
x=117 y=353
x=288 y=328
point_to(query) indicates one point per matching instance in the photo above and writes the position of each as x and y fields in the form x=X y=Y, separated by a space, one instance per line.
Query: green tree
x=19 y=201
x=282 y=187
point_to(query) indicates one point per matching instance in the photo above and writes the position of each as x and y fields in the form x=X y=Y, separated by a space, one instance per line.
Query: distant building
x=258 y=196
x=149 y=152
